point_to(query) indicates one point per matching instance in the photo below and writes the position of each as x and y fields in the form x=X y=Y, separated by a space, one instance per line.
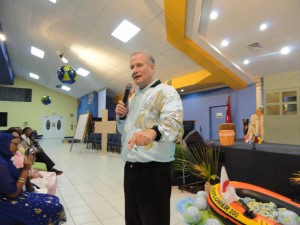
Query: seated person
x=256 y=125
x=40 y=179
x=17 y=206
x=41 y=156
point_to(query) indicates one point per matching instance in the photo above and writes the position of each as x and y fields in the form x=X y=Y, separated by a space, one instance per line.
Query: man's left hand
x=142 y=138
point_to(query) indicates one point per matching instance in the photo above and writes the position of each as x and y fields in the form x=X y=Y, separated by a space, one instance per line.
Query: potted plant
x=199 y=160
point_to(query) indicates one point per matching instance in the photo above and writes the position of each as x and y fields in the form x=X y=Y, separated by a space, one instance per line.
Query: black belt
x=146 y=164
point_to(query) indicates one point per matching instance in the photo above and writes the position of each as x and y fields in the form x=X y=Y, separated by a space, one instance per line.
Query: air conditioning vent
x=255 y=47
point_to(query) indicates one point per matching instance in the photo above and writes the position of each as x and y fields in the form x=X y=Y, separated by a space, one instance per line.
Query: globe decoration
x=212 y=221
x=287 y=217
x=192 y=215
x=201 y=203
x=202 y=194
x=67 y=75
x=46 y=100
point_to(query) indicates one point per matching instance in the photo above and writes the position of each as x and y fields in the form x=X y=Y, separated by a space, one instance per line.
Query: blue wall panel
x=196 y=107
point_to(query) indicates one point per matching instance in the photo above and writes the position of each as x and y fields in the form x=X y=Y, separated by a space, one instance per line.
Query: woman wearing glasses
x=17 y=206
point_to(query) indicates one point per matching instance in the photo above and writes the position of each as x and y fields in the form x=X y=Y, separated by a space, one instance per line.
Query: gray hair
x=150 y=57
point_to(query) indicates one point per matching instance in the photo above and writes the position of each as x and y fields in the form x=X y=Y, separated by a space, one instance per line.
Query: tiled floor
x=91 y=187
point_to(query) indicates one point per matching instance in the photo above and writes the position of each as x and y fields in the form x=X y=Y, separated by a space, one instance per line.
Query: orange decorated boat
x=225 y=199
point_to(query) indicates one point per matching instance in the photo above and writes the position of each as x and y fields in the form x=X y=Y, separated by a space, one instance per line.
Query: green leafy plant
x=199 y=160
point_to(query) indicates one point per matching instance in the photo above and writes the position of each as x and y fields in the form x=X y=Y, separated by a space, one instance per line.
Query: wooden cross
x=105 y=127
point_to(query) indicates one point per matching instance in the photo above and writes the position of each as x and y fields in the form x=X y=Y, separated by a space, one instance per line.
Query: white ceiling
x=83 y=28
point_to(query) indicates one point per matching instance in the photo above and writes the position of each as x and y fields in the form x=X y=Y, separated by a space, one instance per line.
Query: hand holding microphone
x=127 y=91
x=121 y=109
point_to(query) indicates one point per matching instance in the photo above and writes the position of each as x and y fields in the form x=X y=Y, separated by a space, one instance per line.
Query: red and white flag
x=227 y=191
x=228 y=111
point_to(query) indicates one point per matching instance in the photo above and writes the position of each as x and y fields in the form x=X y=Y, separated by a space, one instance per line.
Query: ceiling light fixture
x=214 y=15
x=2 y=37
x=37 y=52
x=83 y=72
x=60 y=54
x=53 y=1
x=125 y=31
x=65 y=88
x=225 y=43
x=263 y=26
x=34 y=76
x=246 y=61
x=285 y=50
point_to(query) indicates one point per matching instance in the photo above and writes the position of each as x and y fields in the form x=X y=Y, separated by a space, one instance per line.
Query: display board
x=81 y=127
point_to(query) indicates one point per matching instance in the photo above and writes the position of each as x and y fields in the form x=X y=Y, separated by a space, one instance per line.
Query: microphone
x=127 y=91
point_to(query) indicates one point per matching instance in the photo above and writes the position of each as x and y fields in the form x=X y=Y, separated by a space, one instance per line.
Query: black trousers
x=147 y=188
x=41 y=156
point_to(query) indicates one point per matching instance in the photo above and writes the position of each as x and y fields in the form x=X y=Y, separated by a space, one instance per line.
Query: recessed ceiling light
x=213 y=15
x=65 y=88
x=225 y=43
x=246 y=61
x=2 y=37
x=285 y=50
x=64 y=60
x=83 y=72
x=37 y=52
x=34 y=76
x=54 y=1
x=263 y=26
x=125 y=31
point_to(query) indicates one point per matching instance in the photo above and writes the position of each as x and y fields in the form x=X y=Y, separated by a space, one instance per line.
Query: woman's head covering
x=8 y=172
x=5 y=140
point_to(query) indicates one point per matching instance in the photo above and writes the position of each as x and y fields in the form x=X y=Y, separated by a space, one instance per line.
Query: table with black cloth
x=269 y=166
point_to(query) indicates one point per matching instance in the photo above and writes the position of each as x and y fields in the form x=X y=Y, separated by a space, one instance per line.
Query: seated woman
x=39 y=178
x=17 y=206
x=41 y=156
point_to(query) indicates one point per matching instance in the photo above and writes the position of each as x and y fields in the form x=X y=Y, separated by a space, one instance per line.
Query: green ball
x=46 y=100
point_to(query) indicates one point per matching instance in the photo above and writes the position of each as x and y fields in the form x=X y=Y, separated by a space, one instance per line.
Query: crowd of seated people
x=42 y=180
x=29 y=142
x=18 y=206
x=39 y=179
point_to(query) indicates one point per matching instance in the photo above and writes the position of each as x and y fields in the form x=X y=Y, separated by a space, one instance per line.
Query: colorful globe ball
x=46 y=100
x=192 y=215
x=212 y=221
x=67 y=75
x=202 y=194
x=288 y=217
x=201 y=203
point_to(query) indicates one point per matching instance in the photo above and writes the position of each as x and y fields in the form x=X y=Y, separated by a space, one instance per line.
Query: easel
x=105 y=127
x=81 y=130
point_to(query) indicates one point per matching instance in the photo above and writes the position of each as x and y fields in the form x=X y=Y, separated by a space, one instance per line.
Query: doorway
x=54 y=126
x=217 y=115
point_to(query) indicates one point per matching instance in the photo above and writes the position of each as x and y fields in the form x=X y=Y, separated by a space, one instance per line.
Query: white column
x=259 y=95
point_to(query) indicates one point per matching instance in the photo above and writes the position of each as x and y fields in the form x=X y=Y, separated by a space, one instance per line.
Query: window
x=281 y=102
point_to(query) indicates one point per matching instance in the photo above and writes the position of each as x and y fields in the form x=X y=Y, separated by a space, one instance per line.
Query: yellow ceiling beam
x=175 y=15
x=202 y=76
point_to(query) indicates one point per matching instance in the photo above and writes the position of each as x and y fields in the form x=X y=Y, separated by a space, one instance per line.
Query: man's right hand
x=121 y=109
